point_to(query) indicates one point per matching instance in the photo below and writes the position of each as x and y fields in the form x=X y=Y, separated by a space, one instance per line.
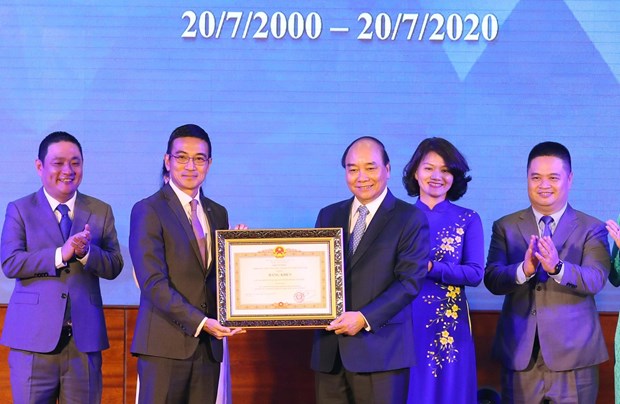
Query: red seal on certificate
x=299 y=297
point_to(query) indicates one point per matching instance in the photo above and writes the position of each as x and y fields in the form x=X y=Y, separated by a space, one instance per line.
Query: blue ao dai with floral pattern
x=445 y=356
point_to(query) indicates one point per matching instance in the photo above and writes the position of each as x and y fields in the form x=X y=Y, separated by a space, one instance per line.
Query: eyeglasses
x=198 y=160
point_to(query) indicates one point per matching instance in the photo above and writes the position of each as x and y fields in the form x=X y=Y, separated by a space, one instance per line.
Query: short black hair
x=189 y=130
x=553 y=149
x=56 y=137
x=384 y=155
x=454 y=160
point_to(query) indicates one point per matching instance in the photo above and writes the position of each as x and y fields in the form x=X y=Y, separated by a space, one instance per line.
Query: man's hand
x=213 y=327
x=81 y=242
x=348 y=323
x=547 y=254
x=530 y=262
x=77 y=245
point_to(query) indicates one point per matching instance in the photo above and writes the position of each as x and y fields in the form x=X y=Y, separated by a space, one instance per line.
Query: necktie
x=65 y=220
x=65 y=228
x=547 y=220
x=198 y=231
x=359 y=228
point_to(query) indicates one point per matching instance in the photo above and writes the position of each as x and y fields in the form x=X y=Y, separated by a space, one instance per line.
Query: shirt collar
x=556 y=216
x=54 y=203
x=372 y=206
x=183 y=197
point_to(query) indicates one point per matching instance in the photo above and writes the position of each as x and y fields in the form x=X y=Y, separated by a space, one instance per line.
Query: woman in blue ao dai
x=445 y=370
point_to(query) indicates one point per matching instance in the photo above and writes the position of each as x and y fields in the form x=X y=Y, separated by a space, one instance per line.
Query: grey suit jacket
x=175 y=293
x=30 y=237
x=565 y=314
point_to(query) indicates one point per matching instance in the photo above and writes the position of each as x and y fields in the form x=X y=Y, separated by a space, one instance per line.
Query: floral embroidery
x=442 y=350
x=446 y=339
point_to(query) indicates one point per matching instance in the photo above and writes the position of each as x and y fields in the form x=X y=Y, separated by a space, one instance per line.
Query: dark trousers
x=343 y=387
x=173 y=381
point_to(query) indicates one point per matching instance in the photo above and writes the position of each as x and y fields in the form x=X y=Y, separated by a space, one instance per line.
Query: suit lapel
x=342 y=219
x=378 y=222
x=51 y=226
x=566 y=225
x=527 y=225
x=81 y=214
x=204 y=202
x=177 y=209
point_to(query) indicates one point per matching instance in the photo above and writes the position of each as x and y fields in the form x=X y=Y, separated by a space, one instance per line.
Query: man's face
x=548 y=183
x=61 y=170
x=188 y=177
x=365 y=173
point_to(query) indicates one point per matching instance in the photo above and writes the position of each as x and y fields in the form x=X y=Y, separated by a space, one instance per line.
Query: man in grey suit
x=549 y=260
x=56 y=244
x=178 y=339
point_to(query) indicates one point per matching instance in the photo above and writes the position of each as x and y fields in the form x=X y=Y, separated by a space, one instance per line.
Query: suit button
x=534 y=312
x=204 y=305
x=64 y=295
x=539 y=288
x=68 y=270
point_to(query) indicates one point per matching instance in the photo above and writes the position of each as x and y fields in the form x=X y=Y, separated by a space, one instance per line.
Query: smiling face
x=61 y=170
x=434 y=179
x=188 y=177
x=548 y=184
x=365 y=172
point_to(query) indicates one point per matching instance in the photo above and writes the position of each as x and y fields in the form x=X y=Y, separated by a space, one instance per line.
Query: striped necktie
x=359 y=228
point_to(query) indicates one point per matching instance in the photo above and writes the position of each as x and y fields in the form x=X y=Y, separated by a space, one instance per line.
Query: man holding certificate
x=177 y=338
x=364 y=355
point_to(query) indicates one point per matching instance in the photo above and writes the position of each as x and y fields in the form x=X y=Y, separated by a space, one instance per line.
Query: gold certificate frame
x=279 y=278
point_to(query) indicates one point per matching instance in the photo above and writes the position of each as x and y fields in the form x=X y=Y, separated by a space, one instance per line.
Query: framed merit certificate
x=279 y=278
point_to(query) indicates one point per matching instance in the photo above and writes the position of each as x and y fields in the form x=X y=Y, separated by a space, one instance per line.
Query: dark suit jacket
x=30 y=237
x=175 y=294
x=381 y=279
x=565 y=314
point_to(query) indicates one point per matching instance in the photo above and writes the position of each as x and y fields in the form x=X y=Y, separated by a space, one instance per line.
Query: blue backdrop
x=283 y=89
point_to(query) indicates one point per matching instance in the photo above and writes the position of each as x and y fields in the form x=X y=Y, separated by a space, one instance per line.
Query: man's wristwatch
x=558 y=268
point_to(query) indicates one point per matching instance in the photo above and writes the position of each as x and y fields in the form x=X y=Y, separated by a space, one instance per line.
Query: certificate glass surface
x=279 y=278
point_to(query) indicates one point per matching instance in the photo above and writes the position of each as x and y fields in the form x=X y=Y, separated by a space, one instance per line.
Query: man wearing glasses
x=177 y=338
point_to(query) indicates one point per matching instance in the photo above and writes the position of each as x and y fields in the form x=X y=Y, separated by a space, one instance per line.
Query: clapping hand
x=614 y=231
x=81 y=242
